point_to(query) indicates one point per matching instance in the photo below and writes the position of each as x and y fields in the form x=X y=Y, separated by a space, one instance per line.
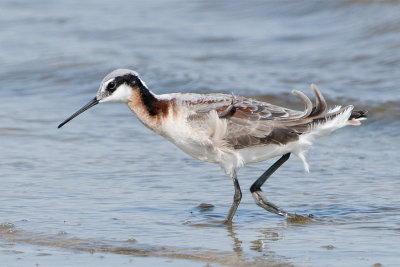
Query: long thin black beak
x=92 y=103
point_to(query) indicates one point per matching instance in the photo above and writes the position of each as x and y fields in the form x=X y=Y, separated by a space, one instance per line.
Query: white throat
x=122 y=94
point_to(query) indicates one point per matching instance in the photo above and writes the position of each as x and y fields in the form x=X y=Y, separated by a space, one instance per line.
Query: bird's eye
x=111 y=86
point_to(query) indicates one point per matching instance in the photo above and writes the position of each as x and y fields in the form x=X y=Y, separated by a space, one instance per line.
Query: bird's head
x=117 y=86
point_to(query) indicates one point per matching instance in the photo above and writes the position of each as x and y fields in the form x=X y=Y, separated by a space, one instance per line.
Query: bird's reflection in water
x=257 y=249
x=237 y=243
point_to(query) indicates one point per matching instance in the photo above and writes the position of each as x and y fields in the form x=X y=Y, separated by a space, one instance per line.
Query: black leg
x=257 y=193
x=236 y=201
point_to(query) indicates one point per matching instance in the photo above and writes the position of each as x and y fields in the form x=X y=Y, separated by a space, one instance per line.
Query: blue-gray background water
x=104 y=190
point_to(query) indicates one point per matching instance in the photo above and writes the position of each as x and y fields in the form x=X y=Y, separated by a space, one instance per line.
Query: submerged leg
x=257 y=193
x=236 y=200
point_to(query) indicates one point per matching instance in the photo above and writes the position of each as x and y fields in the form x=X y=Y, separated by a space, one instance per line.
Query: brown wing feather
x=251 y=122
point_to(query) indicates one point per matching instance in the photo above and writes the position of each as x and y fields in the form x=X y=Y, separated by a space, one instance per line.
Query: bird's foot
x=296 y=218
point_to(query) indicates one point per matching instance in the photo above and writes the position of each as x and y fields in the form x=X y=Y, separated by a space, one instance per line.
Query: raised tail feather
x=320 y=122
x=320 y=103
x=318 y=113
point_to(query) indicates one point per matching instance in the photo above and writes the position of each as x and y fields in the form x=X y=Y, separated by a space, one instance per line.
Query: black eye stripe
x=111 y=86
x=117 y=81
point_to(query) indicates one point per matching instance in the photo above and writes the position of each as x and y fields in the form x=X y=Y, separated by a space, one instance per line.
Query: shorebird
x=228 y=130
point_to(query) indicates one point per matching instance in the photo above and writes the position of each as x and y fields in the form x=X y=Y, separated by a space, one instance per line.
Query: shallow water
x=104 y=190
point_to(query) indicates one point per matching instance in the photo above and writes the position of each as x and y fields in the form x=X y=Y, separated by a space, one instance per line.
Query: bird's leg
x=257 y=193
x=236 y=200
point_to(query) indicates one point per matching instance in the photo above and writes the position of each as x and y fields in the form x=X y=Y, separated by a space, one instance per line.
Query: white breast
x=202 y=139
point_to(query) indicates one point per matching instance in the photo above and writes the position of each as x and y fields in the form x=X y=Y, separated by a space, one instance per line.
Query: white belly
x=262 y=153
x=199 y=150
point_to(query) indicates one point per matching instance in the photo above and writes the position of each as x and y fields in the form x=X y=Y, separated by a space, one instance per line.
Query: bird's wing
x=252 y=122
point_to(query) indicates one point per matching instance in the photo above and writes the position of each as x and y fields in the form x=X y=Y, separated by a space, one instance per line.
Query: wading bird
x=228 y=130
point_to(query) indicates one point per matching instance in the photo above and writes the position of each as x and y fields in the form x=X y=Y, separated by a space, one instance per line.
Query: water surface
x=104 y=190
